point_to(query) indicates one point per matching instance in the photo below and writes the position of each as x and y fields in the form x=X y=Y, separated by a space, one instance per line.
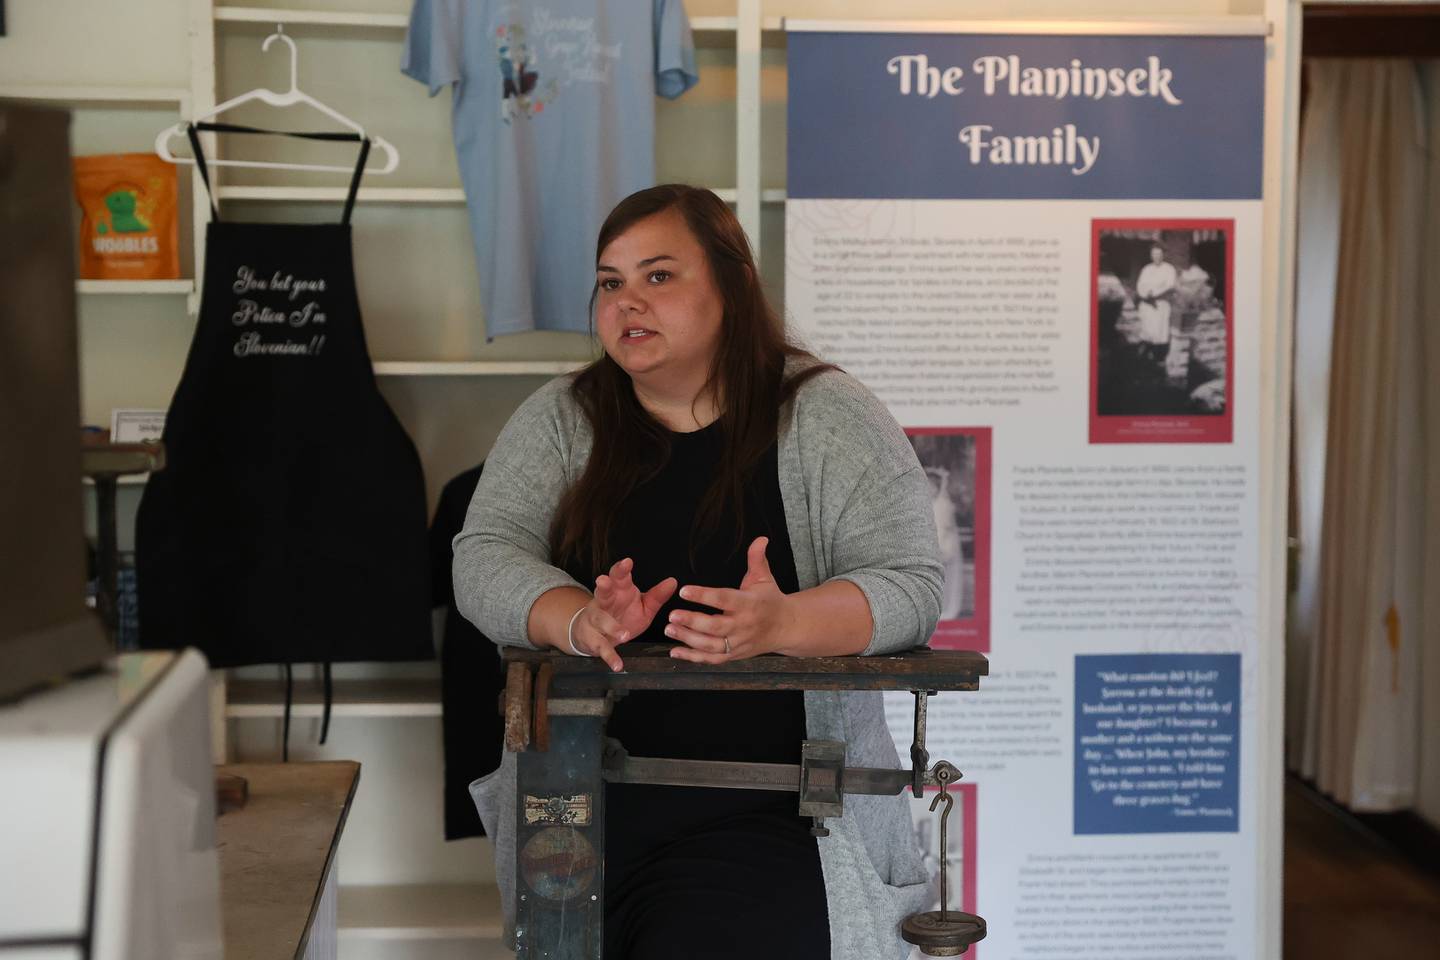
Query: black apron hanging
x=289 y=523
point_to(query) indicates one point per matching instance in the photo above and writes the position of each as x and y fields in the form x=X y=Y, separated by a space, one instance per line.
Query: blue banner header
x=970 y=116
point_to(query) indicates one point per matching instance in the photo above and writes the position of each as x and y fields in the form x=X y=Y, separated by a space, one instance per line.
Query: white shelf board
x=475 y=368
x=324 y=18
x=439 y=195
x=721 y=24
x=731 y=195
x=400 y=21
x=265 y=699
x=713 y=24
x=422 y=195
x=420 y=912
x=135 y=286
x=128 y=480
x=79 y=97
x=714 y=33
x=467 y=368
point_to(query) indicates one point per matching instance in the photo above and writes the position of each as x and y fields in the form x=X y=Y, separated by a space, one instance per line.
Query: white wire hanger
x=290 y=98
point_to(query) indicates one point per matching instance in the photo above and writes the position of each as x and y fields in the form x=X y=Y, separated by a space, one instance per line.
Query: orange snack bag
x=127 y=217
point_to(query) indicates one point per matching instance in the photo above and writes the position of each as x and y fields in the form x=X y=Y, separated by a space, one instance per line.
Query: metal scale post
x=556 y=708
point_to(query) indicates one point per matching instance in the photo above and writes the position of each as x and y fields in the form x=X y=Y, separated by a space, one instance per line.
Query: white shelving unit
x=129 y=480
x=389 y=913
x=420 y=912
x=80 y=98
x=427 y=195
x=264 y=699
x=721 y=26
x=475 y=368
x=415 y=912
x=421 y=195
x=269 y=16
x=148 y=287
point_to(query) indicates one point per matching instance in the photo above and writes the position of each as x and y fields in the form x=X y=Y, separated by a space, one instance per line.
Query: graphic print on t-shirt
x=518 y=75
x=570 y=50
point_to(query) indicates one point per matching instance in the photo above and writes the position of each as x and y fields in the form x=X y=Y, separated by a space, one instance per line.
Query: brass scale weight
x=556 y=708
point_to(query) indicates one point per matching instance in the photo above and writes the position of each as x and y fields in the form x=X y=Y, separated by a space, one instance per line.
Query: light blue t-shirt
x=554 y=124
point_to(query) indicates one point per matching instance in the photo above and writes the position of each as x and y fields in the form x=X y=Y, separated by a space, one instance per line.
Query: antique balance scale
x=556 y=708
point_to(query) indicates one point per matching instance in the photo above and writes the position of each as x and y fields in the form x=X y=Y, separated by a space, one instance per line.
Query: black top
x=743 y=860
x=471 y=678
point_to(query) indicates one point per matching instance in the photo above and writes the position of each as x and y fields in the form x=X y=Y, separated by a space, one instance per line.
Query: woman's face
x=657 y=309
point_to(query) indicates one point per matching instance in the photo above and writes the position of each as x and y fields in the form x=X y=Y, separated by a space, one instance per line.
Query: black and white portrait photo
x=949 y=462
x=1162 y=329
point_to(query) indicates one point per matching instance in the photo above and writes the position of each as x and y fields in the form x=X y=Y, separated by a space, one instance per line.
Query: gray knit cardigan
x=857 y=507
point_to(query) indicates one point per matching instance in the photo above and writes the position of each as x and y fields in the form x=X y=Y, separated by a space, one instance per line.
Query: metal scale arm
x=555 y=712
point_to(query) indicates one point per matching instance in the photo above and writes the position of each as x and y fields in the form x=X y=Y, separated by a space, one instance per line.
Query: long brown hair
x=630 y=446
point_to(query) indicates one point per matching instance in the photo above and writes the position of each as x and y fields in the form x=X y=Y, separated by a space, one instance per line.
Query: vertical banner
x=1043 y=253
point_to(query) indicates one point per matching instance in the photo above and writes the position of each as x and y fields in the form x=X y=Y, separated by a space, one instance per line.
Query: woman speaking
x=705 y=483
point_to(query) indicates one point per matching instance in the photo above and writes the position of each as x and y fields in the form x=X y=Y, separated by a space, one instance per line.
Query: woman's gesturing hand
x=618 y=612
x=752 y=620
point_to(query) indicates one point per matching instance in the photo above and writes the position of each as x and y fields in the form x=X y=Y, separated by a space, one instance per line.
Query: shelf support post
x=202 y=100
x=747 y=120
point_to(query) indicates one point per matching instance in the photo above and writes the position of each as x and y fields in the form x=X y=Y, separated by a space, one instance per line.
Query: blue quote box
x=1157 y=743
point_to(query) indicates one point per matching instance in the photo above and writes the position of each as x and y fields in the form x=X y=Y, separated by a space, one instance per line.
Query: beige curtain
x=1428 y=802
x=1317 y=254
x=1357 y=619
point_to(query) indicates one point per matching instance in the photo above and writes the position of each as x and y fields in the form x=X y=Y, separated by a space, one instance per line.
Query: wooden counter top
x=275 y=853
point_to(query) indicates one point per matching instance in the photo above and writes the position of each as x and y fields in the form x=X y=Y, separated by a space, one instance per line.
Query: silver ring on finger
x=727 y=646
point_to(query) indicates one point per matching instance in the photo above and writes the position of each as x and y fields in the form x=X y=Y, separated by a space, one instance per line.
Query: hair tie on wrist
x=570 y=635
